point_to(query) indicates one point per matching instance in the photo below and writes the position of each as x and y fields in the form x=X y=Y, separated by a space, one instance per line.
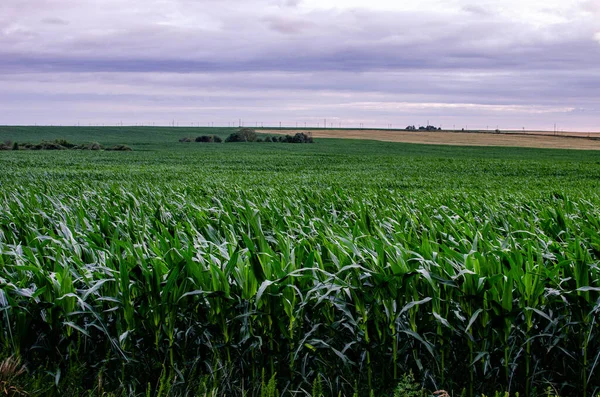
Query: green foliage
x=407 y=387
x=299 y=137
x=317 y=388
x=208 y=139
x=193 y=267
x=269 y=389
x=62 y=144
x=243 y=135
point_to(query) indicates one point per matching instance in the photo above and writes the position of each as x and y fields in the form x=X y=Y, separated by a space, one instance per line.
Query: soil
x=534 y=139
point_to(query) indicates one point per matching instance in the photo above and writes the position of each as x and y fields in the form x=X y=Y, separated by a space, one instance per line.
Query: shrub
x=242 y=135
x=209 y=139
x=301 y=137
x=50 y=146
x=64 y=143
x=204 y=139
x=185 y=140
x=95 y=146
x=15 y=146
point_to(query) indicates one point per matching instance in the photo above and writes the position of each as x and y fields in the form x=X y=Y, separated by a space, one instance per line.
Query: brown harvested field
x=534 y=139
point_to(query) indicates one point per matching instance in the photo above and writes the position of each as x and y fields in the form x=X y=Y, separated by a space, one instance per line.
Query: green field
x=340 y=266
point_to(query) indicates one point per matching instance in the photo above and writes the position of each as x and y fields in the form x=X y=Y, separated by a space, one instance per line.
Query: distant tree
x=301 y=137
x=242 y=135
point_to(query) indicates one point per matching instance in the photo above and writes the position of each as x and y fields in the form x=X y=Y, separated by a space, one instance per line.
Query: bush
x=301 y=137
x=64 y=143
x=185 y=140
x=209 y=139
x=243 y=135
x=15 y=146
x=49 y=146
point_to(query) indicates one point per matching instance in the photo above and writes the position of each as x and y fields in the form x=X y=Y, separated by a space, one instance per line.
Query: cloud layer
x=507 y=63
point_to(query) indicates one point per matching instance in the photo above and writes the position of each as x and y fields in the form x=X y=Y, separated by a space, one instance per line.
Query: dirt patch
x=533 y=139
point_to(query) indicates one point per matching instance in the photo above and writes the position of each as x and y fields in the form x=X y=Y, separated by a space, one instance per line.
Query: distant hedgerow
x=249 y=135
x=60 y=144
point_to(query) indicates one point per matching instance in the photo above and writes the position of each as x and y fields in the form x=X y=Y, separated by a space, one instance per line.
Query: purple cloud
x=289 y=59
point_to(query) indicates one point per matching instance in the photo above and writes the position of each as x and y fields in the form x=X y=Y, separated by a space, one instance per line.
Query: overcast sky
x=463 y=63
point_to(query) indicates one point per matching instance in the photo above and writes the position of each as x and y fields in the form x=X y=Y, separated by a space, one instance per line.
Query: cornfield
x=469 y=291
x=333 y=269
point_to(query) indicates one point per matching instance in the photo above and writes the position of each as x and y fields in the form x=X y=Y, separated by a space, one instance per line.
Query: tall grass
x=347 y=287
